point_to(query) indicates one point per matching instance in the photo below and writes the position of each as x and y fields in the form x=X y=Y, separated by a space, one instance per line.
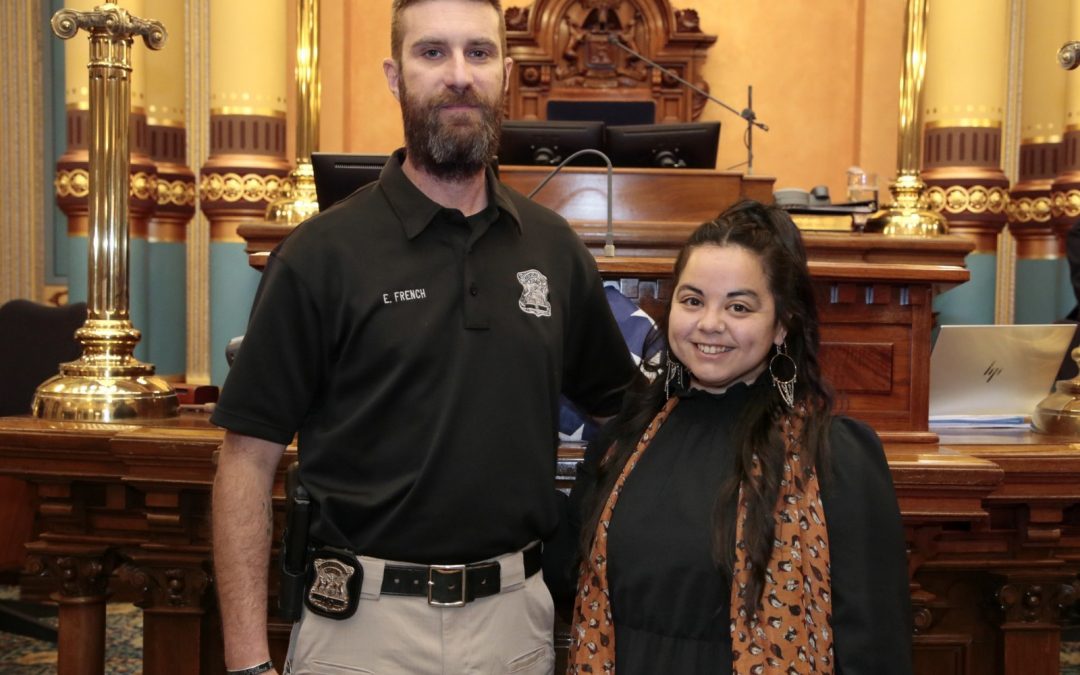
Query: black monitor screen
x=337 y=176
x=689 y=145
x=608 y=112
x=548 y=143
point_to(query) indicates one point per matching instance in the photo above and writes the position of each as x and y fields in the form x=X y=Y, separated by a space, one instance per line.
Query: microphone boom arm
x=609 y=233
x=747 y=113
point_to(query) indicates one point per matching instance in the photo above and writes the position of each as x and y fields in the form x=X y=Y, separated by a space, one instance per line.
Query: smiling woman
x=725 y=552
x=723 y=325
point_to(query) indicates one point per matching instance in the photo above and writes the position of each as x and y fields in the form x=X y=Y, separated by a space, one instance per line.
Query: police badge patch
x=534 y=293
x=334 y=580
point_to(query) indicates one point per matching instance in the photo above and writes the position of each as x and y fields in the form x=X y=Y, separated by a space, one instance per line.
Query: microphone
x=609 y=234
x=746 y=113
x=1069 y=55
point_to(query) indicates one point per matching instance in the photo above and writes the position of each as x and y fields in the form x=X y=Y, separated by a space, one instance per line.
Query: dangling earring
x=786 y=388
x=675 y=375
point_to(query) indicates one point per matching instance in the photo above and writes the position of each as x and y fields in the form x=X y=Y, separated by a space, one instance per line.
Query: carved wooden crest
x=564 y=51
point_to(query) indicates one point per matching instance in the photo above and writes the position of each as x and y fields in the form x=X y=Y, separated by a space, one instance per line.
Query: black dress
x=671 y=605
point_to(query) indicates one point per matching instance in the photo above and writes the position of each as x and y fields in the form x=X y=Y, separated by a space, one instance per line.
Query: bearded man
x=415 y=337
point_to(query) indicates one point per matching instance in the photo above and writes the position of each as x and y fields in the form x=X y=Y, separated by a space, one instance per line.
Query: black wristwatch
x=254 y=670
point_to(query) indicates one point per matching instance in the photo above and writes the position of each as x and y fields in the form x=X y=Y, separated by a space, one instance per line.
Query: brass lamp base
x=105 y=399
x=899 y=222
x=905 y=217
x=106 y=384
x=300 y=202
x=1059 y=412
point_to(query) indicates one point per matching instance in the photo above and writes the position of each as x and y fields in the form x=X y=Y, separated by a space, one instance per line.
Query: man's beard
x=455 y=147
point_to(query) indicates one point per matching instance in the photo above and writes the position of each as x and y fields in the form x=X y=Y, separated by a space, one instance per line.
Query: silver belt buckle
x=445 y=570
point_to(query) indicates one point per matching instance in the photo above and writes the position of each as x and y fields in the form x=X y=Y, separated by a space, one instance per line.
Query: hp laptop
x=994 y=371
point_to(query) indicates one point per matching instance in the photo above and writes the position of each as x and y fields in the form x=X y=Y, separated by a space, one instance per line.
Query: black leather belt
x=453 y=585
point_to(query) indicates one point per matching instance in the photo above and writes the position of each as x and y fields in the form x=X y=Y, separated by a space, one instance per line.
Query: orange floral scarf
x=790 y=632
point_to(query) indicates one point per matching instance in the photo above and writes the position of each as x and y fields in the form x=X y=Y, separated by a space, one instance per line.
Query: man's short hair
x=397 y=32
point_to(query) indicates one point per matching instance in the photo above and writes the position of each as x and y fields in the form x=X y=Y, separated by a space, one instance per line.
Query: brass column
x=905 y=216
x=299 y=201
x=107 y=383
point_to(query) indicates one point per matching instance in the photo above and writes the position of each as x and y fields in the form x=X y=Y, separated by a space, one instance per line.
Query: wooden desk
x=992 y=520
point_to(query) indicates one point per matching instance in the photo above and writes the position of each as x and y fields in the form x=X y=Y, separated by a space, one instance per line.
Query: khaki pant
x=395 y=635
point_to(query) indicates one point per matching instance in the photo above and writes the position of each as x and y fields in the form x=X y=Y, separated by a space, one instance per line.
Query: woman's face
x=723 y=324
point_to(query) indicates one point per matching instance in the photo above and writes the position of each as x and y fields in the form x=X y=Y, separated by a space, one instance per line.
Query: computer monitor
x=339 y=175
x=684 y=145
x=608 y=112
x=548 y=143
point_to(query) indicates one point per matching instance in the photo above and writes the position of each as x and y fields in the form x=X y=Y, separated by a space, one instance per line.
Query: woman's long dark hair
x=769 y=233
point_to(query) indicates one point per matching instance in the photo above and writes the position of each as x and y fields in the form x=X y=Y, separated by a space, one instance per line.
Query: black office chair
x=34 y=340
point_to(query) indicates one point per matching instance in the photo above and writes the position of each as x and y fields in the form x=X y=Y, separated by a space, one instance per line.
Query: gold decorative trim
x=975 y=199
x=964 y=122
x=1040 y=140
x=232 y=187
x=1029 y=209
x=248 y=110
x=1065 y=204
x=143 y=186
x=76 y=183
x=175 y=192
x=73 y=183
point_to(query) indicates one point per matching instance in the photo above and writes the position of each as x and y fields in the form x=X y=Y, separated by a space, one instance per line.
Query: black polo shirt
x=420 y=354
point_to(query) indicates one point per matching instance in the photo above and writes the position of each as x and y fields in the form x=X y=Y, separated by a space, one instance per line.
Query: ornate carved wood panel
x=562 y=52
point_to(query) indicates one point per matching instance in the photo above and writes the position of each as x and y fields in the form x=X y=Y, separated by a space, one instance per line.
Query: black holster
x=294 y=546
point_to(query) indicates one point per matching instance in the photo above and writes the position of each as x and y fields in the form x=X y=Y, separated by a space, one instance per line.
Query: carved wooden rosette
x=562 y=53
x=1035 y=602
x=167 y=586
x=80 y=572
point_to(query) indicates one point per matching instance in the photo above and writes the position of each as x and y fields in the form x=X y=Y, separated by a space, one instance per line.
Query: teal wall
x=971 y=302
x=139 y=280
x=1043 y=291
x=78 y=262
x=232 y=288
x=167 y=307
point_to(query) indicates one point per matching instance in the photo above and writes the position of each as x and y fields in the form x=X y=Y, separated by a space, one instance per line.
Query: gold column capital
x=111 y=20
